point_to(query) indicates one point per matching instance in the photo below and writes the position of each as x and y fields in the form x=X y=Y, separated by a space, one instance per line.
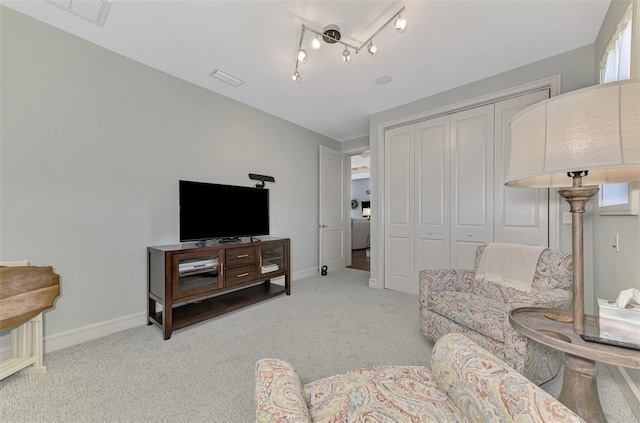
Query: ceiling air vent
x=225 y=77
x=95 y=11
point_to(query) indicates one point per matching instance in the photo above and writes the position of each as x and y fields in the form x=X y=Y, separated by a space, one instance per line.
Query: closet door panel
x=472 y=139
x=399 y=205
x=432 y=167
x=432 y=254
x=521 y=215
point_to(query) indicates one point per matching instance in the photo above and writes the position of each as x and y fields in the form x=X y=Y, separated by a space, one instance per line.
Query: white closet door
x=472 y=139
x=399 y=205
x=432 y=172
x=521 y=215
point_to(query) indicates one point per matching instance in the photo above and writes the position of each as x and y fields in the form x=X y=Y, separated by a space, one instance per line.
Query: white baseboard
x=375 y=283
x=95 y=331
x=304 y=274
x=98 y=330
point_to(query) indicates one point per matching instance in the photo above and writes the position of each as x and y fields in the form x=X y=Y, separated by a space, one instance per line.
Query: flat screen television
x=215 y=211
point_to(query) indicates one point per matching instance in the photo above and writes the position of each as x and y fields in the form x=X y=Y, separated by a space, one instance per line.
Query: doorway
x=360 y=188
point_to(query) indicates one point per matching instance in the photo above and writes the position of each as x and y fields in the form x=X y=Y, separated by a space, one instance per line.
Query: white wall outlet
x=566 y=218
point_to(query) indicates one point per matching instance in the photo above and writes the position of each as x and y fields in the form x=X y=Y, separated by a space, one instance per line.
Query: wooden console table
x=579 y=388
x=192 y=283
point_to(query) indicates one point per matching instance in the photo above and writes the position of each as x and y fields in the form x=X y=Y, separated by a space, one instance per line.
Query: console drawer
x=240 y=256
x=240 y=275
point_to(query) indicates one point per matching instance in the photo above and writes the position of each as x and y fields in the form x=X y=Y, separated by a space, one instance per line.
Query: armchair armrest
x=486 y=389
x=278 y=393
x=548 y=299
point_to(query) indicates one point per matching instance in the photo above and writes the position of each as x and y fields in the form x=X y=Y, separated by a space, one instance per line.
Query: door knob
x=470 y=234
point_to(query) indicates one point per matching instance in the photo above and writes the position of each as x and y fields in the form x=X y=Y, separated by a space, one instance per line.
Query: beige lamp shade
x=595 y=129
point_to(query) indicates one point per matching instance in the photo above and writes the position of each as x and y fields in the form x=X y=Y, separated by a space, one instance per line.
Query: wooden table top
x=530 y=321
x=25 y=291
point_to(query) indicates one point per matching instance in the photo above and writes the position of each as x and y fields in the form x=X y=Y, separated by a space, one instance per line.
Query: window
x=616 y=62
x=622 y=198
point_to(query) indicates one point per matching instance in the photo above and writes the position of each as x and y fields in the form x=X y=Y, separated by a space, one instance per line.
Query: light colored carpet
x=205 y=372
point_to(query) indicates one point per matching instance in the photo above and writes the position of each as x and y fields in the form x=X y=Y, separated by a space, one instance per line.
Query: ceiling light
x=331 y=35
x=400 y=23
x=372 y=49
x=346 y=56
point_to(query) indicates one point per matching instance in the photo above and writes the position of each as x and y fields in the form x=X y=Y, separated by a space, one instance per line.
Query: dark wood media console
x=194 y=283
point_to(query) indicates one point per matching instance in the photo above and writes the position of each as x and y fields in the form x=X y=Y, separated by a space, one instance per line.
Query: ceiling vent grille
x=95 y=11
x=225 y=77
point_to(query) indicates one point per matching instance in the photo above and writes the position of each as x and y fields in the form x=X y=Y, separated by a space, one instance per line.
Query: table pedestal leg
x=580 y=390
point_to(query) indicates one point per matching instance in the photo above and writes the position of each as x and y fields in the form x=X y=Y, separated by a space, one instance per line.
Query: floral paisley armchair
x=466 y=302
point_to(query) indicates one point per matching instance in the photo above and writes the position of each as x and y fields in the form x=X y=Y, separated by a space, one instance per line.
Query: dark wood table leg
x=580 y=390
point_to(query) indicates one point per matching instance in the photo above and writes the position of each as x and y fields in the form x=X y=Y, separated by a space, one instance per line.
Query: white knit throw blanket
x=511 y=265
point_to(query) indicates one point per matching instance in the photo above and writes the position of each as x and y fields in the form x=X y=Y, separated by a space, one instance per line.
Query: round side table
x=579 y=388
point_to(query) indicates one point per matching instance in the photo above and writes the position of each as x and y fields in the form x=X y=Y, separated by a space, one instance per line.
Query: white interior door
x=472 y=142
x=399 y=210
x=332 y=209
x=521 y=215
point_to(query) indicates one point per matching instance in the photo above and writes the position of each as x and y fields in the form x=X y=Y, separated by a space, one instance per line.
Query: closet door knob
x=470 y=234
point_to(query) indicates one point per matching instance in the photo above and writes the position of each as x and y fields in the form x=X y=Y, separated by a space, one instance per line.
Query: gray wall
x=92 y=148
x=356 y=144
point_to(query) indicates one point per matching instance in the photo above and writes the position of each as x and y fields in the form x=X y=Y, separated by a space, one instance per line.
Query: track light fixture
x=346 y=56
x=371 y=48
x=400 y=23
x=331 y=35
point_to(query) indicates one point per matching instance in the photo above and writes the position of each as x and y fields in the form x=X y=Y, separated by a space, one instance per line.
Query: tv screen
x=211 y=211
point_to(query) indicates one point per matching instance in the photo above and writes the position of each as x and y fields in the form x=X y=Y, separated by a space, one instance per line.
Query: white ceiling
x=446 y=44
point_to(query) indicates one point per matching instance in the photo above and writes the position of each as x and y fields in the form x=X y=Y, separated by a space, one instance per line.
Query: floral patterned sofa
x=456 y=301
x=465 y=384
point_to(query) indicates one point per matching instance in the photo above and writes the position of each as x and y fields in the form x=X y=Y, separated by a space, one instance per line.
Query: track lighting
x=331 y=35
x=372 y=49
x=346 y=56
x=400 y=23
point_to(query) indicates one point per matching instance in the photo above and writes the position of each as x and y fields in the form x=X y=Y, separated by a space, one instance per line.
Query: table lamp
x=577 y=141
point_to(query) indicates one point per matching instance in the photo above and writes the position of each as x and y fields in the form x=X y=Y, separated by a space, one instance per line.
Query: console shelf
x=236 y=275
